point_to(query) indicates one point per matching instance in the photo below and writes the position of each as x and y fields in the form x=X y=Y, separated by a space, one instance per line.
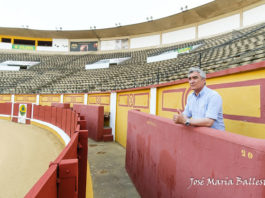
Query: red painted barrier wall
x=69 y=177
x=36 y=112
x=53 y=119
x=82 y=165
x=59 y=112
x=166 y=160
x=6 y=108
x=70 y=151
x=62 y=105
x=94 y=116
x=64 y=119
x=66 y=176
x=47 y=114
x=15 y=109
x=68 y=123
x=46 y=186
x=73 y=122
x=29 y=110
x=41 y=113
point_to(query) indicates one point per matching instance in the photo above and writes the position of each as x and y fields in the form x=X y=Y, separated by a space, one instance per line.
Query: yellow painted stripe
x=49 y=129
x=5 y=118
x=25 y=38
x=89 y=186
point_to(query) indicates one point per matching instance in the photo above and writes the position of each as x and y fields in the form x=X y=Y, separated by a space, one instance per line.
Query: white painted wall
x=219 y=26
x=179 y=35
x=107 y=45
x=153 y=96
x=253 y=16
x=117 y=44
x=38 y=99
x=145 y=41
x=113 y=102
x=44 y=48
x=85 y=99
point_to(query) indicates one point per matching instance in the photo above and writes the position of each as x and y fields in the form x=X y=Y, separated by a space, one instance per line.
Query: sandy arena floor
x=25 y=154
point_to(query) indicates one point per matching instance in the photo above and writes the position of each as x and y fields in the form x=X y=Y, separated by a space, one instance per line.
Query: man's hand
x=179 y=118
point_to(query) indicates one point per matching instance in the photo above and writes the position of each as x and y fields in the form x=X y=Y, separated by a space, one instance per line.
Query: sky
x=84 y=14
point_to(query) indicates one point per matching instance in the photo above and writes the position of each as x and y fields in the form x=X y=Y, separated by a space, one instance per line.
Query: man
x=204 y=105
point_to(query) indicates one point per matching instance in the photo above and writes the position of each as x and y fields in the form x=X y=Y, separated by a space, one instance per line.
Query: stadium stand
x=67 y=74
x=132 y=90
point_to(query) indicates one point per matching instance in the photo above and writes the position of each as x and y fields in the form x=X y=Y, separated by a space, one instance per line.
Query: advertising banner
x=22 y=113
x=23 y=47
x=58 y=45
x=115 y=44
x=83 y=46
x=122 y=44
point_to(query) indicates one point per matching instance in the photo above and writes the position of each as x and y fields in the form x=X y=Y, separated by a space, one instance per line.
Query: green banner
x=23 y=47
x=183 y=50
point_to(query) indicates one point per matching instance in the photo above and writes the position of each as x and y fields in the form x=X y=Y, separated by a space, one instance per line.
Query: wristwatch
x=187 y=123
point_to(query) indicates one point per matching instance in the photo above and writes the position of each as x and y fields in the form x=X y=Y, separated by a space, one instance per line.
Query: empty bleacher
x=64 y=73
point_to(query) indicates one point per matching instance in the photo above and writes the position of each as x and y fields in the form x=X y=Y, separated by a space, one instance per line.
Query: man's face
x=196 y=82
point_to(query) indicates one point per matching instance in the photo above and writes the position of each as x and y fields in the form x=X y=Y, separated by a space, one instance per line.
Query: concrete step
x=108 y=138
x=107 y=131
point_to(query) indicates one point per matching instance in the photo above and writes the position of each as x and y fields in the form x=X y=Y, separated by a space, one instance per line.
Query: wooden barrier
x=94 y=120
x=46 y=186
x=5 y=108
x=36 y=112
x=47 y=114
x=59 y=112
x=169 y=160
x=94 y=116
x=53 y=118
x=66 y=176
x=62 y=105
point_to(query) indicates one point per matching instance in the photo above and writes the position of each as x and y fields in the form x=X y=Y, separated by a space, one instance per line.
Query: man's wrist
x=187 y=122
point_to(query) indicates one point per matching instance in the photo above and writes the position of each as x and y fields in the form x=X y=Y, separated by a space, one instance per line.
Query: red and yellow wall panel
x=100 y=99
x=47 y=100
x=25 y=98
x=73 y=99
x=171 y=98
x=5 y=98
x=243 y=97
x=126 y=101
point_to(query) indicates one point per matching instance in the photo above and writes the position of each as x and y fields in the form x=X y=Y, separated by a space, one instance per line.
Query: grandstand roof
x=196 y=15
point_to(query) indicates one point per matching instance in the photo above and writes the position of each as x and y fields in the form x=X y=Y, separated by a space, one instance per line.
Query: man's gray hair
x=196 y=69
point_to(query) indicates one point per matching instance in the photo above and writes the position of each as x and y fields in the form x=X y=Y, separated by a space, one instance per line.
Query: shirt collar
x=202 y=92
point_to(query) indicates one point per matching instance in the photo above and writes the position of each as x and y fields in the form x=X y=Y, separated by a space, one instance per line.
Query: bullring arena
x=30 y=146
x=89 y=113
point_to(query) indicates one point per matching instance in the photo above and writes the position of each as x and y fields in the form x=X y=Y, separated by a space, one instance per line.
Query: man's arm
x=179 y=118
x=206 y=122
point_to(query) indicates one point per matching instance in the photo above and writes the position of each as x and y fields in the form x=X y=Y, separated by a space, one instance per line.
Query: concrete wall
x=165 y=159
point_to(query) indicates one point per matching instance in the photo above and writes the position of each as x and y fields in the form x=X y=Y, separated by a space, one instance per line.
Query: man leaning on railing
x=204 y=105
